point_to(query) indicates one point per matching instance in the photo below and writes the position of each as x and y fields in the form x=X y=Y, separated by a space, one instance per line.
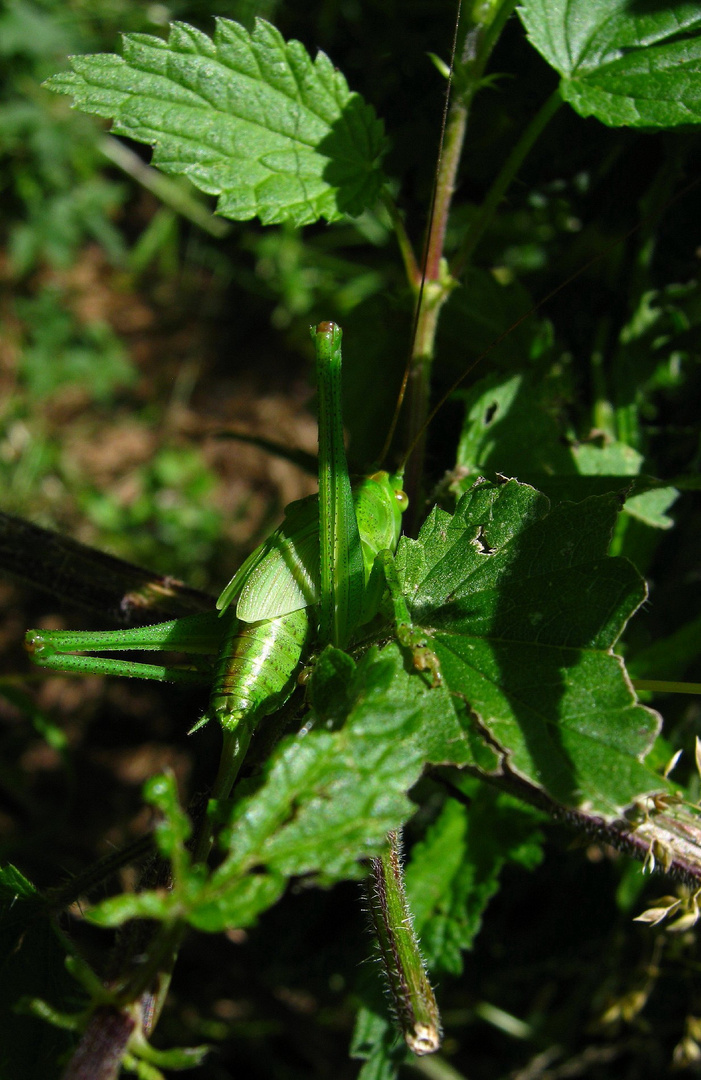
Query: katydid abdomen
x=256 y=668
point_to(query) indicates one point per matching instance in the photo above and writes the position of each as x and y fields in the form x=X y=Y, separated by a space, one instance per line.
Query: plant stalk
x=414 y=1002
x=484 y=23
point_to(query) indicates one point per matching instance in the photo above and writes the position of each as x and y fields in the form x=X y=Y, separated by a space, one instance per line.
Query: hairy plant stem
x=414 y=1003
x=431 y=295
x=99 y=1054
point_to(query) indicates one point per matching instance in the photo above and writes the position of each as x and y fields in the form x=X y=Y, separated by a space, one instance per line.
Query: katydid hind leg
x=75 y=650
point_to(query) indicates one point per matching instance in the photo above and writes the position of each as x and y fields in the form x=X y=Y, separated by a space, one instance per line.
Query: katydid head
x=379 y=509
x=379 y=502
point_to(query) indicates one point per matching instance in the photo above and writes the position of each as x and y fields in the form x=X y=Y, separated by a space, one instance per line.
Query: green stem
x=445 y=188
x=493 y=29
x=437 y=283
x=433 y=293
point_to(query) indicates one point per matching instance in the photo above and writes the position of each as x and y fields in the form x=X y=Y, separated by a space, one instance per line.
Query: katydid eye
x=403 y=500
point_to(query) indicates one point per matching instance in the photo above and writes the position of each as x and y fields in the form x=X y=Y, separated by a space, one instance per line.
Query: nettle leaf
x=247 y=117
x=329 y=797
x=614 y=458
x=623 y=63
x=523 y=607
x=510 y=425
x=454 y=872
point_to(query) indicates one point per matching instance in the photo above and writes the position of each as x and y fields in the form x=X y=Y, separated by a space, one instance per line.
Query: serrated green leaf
x=454 y=871
x=330 y=797
x=440 y=736
x=326 y=799
x=523 y=608
x=623 y=63
x=247 y=117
